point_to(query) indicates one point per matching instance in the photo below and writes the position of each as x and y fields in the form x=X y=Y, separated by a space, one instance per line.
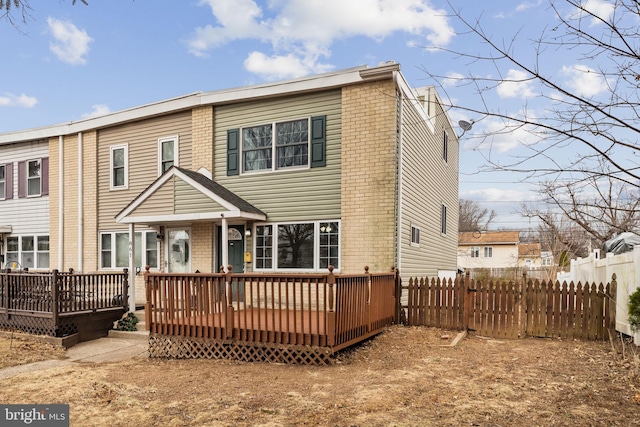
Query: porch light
x=159 y=236
x=247 y=232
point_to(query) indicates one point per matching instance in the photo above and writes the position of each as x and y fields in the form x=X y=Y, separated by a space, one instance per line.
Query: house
x=530 y=255
x=348 y=168
x=488 y=249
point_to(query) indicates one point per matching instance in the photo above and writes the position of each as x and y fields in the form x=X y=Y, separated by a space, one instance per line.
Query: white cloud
x=500 y=136
x=284 y=66
x=22 y=100
x=453 y=79
x=306 y=30
x=70 y=44
x=600 y=8
x=98 y=110
x=527 y=5
x=516 y=84
x=584 y=81
x=494 y=195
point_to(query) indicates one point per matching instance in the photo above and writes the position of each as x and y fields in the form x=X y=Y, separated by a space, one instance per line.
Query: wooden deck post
x=147 y=305
x=398 y=295
x=229 y=300
x=367 y=308
x=56 y=296
x=331 y=315
x=125 y=290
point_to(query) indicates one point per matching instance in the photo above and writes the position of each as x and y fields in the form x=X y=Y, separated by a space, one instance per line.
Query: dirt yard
x=403 y=377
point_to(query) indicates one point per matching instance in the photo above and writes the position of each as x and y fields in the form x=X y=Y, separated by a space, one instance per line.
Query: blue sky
x=70 y=62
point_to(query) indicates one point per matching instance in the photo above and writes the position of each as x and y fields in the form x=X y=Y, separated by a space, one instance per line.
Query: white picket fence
x=600 y=270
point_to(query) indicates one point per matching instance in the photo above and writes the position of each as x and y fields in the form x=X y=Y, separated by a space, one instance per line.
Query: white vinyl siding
x=28 y=215
x=3 y=181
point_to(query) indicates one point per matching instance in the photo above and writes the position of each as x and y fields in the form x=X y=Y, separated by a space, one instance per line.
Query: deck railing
x=324 y=310
x=61 y=293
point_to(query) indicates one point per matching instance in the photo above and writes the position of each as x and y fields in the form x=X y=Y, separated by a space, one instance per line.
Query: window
x=33 y=178
x=119 y=166
x=445 y=146
x=167 y=153
x=475 y=252
x=290 y=149
x=264 y=246
x=329 y=245
x=443 y=219
x=114 y=250
x=488 y=252
x=415 y=236
x=309 y=246
x=28 y=252
x=2 y=182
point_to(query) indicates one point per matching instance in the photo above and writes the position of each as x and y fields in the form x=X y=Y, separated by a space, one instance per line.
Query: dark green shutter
x=233 y=152
x=318 y=142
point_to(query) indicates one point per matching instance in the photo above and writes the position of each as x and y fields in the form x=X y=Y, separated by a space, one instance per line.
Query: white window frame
x=20 y=253
x=141 y=236
x=475 y=252
x=443 y=219
x=3 y=183
x=176 y=151
x=316 y=245
x=445 y=146
x=30 y=178
x=488 y=252
x=415 y=235
x=274 y=147
x=112 y=185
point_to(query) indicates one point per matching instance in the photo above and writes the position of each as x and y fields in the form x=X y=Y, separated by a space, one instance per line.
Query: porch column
x=132 y=267
x=225 y=244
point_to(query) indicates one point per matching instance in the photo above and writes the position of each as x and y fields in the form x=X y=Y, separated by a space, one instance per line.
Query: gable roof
x=489 y=237
x=529 y=250
x=217 y=200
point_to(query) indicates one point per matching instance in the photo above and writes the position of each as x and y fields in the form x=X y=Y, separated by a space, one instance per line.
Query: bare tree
x=601 y=127
x=474 y=217
x=19 y=10
x=599 y=206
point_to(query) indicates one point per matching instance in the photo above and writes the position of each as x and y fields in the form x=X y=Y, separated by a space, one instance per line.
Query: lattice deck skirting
x=168 y=346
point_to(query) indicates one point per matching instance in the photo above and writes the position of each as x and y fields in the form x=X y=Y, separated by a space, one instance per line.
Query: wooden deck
x=62 y=304
x=322 y=313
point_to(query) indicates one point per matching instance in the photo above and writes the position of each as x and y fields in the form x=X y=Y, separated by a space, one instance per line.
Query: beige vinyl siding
x=142 y=139
x=159 y=203
x=287 y=195
x=428 y=182
x=190 y=200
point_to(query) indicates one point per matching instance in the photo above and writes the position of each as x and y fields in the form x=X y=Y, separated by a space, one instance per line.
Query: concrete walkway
x=115 y=348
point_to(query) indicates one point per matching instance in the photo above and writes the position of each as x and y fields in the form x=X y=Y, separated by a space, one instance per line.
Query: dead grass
x=403 y=377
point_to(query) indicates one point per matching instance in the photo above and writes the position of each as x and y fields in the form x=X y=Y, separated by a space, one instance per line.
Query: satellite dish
x=465 y=125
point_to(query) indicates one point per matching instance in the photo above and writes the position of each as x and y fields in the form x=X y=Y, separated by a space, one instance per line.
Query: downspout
x=60 y=202
x=80 y=207
x=399 y=173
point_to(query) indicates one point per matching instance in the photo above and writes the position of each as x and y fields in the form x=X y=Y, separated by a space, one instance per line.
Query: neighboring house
x=349 y=168
x=488 y=249
x=24 y=205
x=530 y=255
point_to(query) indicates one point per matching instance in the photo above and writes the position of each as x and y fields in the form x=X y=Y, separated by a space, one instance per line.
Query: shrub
x=127 y=323
x=634 y=310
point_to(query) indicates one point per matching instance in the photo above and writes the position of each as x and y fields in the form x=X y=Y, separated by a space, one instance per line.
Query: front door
x=235 y=247
x=178 y=250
